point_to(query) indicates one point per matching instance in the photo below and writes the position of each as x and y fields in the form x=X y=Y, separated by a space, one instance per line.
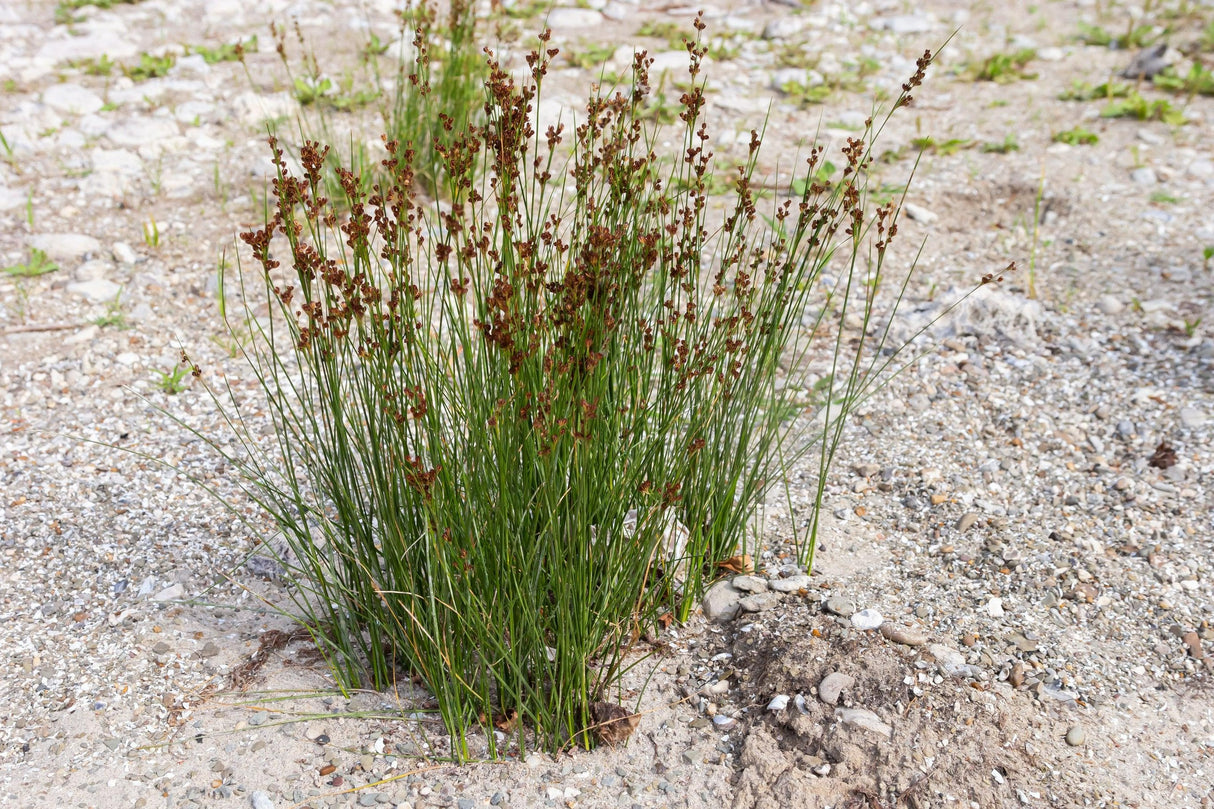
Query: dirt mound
x=890 y=728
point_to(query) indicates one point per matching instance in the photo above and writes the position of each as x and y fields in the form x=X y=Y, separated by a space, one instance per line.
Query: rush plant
x=516 y=430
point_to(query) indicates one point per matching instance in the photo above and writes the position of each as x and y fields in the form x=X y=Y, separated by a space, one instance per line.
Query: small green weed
x=37 y=264
x=1198 y=81
x=1076 y=136
x=101 y=66
x=151 y=233
x=1135 y=106
x=172 y=381
x=673 y=34
x=114 y=316
x=1004 y=68
x=1164 y=198
x=945 y=147
x=590 y=56
x=1083 y=91
x=1136 y=36
x=150 y=67
x=1008 y=144
x=1191 y=326
x=228 y=52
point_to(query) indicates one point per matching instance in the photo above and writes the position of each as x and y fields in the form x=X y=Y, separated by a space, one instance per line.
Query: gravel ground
x=1013 y=593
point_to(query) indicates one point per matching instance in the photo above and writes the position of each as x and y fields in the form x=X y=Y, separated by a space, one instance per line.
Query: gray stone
x=721 y=602
x=840 y=606
x=1110 y=304
x=832 y=687
x=1144 y=175
x=72 y=98
x=760 y=602
x=1202 y=169
x=65 y=246
x=11 y=198
x=749 y=584
x=867 y=619
x=90 y=46
x=96 y=291
x=951 y=661
x=778 y=703
x=790 y=585
x=863 y=718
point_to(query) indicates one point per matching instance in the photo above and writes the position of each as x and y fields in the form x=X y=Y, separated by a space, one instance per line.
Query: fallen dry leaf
x=742 y=563
x=612 y=723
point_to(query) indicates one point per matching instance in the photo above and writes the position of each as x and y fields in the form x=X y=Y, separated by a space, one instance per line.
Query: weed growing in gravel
x=150 y=67
x=1135 y=36
x=1083 y=91
x=151 y=233
x=1076 y=136
x=1207 y=253
x=227 y=52
x=1003 y=68
x=1198 y=81
x=1005 y=146
x=941 y=147
x=173 y=381
x=1135 y=106
x=114 y=317
x=37 y=264
x=516 y=430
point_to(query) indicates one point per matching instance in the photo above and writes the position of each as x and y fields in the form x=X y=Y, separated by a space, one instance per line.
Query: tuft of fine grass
x=514 y=431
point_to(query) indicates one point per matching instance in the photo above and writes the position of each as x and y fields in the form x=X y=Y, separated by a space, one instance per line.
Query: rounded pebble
x=867 y=619
x=1075 y=736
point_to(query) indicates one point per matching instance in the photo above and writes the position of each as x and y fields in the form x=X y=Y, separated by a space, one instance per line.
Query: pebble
x=867 y=619
x=919 y=214
x=833 y=685
x=749 y=584
x=65 y=246
x=783 y=28
x=96 y=291
x=1110 y=304
x=994 y=608
x=840 y=606
x=260 y=800
x=1193 y=641
x=905 y=635
x=903 y=24
x=72 y=98
x=1192 y=418
x=1143 y=176
x=1075 y=736
x=967 y=520
x=863 y=718
x=721 y=602
x=951 y=661
x=792 y=584
x=573 y=18
x=170 y=593
x=778 y=703
x=760 y=602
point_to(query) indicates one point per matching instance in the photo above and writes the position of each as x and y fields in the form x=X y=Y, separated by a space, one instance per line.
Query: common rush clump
x=516 y=430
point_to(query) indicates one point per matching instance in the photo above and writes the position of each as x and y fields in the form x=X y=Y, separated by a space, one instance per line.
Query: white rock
x=123 y=253
x=72 y=98
x=1192 y=418
x=89 y=46
x=1110 y=304
x=867 y=619
x=783 y=28
x=778 y=703
x=863 y=718
x=573 y=18
x=994 y=608
x=11 y=198
x=171 y=593
x=137 y=131
x=65 y=246
x=919 y=213
x=260 y=800
x=950 y=660
x=1143 y=176
x=98 y=290
x=668 y=62
x=903 y=24
x=749 y=584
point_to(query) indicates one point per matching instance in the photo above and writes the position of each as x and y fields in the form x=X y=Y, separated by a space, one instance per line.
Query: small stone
x=65 y=246
x=867 y=619
x=1193 y=641
x=903 y=24
x=721 y=602
x=1016 y=676
x=573 y=18
x=171 y=593
x=994 y=607
x=919 y=214
x=832 y=687
x=162 y=648
x=96 y=291
x=749 y=584
x=1143 y=176
x=905 y=635
x=723 y=722
x=465 y=803
x=778 y=703
x=260 y=800
x=863 y=718
x=1110 y=304
x=760 y=602
x=951 y=661
x=783 y=28
x=1192 y=418
x=1075 y=736
x=840 y=606
x=792 y=584
x=967 y=521
x=72 y=98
